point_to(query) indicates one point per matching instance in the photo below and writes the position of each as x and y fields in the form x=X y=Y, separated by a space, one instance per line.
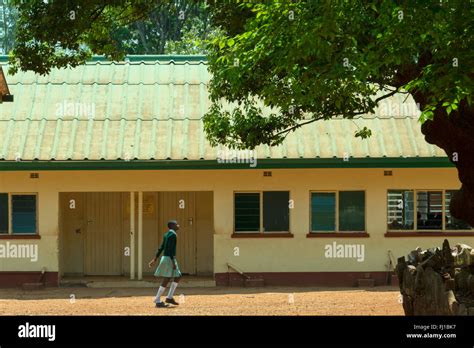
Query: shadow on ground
x=99 y=293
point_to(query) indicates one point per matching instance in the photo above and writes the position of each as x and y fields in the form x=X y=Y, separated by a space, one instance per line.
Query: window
x=401 y=210
x=429 y=210
x=352 y=211
x=349 y=215
x=430 y=207
x=323 y=211
x=18 y=213
x=261 y=212
x=276 y=211
x=247 y=212
x=23 y=213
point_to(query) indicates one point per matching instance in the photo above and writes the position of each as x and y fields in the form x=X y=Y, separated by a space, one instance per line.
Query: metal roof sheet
x=151 y=107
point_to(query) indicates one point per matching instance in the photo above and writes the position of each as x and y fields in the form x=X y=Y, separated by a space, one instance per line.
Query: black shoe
x=172 y=301
x=161 y=305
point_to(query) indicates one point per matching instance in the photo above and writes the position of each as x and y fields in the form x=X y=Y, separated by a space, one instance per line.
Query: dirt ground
x=203 y=301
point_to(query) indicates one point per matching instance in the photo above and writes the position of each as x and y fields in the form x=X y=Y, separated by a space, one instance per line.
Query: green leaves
x=241 y=127
x=427 y=113
x=363 y=133
x=49 y=36
x=338 y=56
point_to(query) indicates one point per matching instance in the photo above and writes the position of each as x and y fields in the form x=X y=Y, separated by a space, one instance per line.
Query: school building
x=95 y=160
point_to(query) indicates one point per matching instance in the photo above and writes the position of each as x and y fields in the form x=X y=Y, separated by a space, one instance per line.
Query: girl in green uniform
x=168 y=267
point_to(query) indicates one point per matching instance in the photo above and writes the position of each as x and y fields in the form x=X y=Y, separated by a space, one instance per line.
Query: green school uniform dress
x=168 y=247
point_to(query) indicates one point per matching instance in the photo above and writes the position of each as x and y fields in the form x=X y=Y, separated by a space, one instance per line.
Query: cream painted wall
x=298 y=254
x=47 y=222
x=302 y=254
x=47 y=257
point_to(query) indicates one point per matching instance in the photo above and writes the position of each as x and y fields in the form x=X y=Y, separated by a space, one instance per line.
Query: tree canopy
x=330 y=58
x=66 y=33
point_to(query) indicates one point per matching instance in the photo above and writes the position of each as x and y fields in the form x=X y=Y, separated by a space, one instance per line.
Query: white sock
x=160 y=292
x=173 y=287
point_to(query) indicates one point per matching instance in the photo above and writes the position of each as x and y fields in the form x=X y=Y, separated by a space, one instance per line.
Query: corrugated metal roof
x=151 y=108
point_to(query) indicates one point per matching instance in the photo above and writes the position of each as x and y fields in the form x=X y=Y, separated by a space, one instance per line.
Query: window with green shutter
x=323 y=211
x=352 y=211
x=269 y=215
x=247 y=212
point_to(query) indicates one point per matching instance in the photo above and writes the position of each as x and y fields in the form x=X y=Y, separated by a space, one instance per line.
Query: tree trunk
x=437 y=281
x=427 y=283
x=455 y=135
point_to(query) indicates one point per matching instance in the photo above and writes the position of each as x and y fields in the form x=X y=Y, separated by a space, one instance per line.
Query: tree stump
x=437 y=281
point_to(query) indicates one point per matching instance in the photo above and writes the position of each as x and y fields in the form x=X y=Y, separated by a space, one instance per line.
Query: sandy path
x=203 y=301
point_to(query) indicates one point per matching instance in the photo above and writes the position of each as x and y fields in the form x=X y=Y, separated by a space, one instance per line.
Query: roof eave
x=416 y=162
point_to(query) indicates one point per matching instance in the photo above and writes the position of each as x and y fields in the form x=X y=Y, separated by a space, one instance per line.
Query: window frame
x=337 y=200
x=261 y=228
x=10 y=214
x=415 y=211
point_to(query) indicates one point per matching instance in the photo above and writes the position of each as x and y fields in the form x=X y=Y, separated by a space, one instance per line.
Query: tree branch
x=386 y=95
x=308 y=122
x=322 y=117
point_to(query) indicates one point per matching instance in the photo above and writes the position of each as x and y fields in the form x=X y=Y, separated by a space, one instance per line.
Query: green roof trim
x=420 y=162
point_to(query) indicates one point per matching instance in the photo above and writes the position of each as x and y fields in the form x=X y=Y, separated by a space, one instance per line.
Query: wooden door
x=72 y=231
x=103 y=238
